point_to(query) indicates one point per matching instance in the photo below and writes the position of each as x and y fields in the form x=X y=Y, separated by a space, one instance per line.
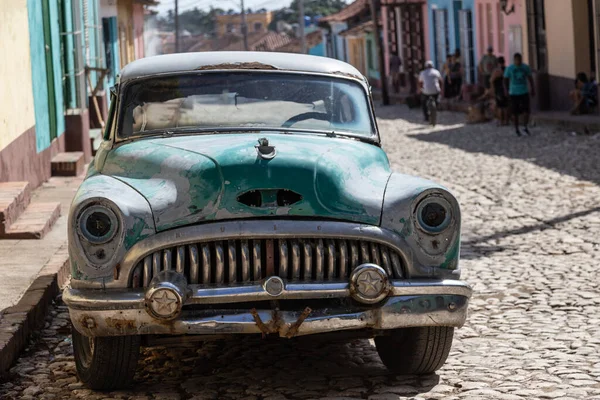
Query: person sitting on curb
x=584 y=96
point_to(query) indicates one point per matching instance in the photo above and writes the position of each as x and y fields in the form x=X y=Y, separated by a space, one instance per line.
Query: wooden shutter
x=466 y=44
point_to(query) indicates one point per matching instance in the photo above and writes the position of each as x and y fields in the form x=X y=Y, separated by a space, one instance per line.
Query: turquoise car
x=247 y=193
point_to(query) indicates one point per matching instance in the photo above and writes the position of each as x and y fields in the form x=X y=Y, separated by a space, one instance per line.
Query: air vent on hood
x=269 y=198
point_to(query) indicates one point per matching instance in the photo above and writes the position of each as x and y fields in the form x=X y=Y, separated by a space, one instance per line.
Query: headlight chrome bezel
x=441 y=201
x=83 y=218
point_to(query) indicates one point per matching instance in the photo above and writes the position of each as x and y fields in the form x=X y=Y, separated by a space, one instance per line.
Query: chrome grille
x=237 y=261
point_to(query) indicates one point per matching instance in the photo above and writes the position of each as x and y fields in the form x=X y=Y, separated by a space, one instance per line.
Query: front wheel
x=415 y=350
x=105 y=363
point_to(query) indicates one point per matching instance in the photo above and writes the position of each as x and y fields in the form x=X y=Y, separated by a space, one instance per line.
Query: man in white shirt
x=430 y=84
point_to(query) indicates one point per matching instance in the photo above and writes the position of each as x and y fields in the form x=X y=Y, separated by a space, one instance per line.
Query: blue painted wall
x=453 y=26
x=318 y=50
x=58 y=72
x=38 y=74
x=373 y=70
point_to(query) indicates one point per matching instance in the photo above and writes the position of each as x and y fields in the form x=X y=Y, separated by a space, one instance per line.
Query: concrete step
x=68 y=164
x=37 y=220
x=14 y=199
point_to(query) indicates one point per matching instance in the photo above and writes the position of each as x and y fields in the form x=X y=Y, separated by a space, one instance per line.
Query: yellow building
x=233 y=23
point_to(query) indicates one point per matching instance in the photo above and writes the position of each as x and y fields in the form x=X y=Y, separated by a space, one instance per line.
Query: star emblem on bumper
x=369 y=284
x=164 y=302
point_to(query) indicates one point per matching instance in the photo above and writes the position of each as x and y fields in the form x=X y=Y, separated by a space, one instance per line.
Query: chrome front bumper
x=409 y=303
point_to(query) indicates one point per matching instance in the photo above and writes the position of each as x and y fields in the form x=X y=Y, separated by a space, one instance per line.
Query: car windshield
x=240 y=101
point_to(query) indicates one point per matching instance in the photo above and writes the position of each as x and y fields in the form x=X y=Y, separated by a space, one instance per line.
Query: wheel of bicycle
x=432 y=112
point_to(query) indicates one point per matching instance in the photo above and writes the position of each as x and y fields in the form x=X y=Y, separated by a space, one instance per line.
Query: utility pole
x=244 y=27
x=384 y=88
x=176 y=26
x=301 y=26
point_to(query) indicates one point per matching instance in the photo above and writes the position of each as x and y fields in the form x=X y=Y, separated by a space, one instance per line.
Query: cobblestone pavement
x=531 y=250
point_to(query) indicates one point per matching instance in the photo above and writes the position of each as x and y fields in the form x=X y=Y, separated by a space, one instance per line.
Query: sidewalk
x=581 y=124
x=31 y=272
x=22 y=260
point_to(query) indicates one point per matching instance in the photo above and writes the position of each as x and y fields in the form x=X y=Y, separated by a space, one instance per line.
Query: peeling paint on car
x=183 y=178
x=236 y=66
x=435 y=254
x=135 y=219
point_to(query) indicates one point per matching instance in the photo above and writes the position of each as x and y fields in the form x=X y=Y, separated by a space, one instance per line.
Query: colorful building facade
x=59 y=52
x=406 y=34
x=348 y=36
x=451 y=26
x=565 y=43
x=32 y=123
x=501 y=27
x=232 y=23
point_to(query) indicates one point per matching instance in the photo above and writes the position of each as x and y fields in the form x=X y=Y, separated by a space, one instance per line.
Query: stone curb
x=18 y=322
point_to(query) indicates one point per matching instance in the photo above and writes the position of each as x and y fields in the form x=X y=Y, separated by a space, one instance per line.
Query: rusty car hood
x=193 y=179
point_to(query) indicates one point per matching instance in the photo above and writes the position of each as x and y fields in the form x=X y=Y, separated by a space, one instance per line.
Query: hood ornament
x=265 y=151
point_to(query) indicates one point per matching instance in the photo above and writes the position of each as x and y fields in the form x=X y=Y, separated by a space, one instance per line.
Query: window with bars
x=536 y=29
x=72 y=57
x=466 y=44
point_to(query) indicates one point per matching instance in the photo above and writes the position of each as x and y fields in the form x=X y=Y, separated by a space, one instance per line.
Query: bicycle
x=432 y=109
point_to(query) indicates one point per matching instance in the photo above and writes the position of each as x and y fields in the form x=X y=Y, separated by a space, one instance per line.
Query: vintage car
x=247 y=193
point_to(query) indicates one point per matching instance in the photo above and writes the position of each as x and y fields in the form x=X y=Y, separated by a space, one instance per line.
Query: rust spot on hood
x=247 y=65
x=348 y=75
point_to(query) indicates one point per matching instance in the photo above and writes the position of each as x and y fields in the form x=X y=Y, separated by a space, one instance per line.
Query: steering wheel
x=303 y=117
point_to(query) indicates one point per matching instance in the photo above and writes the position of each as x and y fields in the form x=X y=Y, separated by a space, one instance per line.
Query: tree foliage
x=197 y=21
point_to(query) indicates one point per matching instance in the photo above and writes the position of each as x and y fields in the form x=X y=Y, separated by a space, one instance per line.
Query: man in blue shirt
x=517 y=80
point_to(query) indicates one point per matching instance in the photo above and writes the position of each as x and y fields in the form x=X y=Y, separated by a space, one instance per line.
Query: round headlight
x=434 y=214
x=98 y=224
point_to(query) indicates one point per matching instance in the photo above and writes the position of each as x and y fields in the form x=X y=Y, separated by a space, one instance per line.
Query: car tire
x=415 y=350
x=105 y=363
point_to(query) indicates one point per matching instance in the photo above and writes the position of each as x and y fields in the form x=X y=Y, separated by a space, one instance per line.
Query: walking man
x=517 y=81
x=430 y=84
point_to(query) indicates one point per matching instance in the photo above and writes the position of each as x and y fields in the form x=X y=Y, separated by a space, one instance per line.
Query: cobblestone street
x=531 y=251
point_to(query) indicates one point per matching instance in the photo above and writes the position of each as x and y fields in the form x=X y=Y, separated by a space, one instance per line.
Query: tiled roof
x=367 y=26
x=295 y=46
x=347 y=12
x=262 y=41
x=213 y=44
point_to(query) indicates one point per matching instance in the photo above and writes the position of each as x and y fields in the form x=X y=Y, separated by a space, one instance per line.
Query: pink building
x=501 y=28
x=405 y=34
